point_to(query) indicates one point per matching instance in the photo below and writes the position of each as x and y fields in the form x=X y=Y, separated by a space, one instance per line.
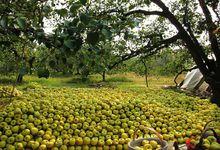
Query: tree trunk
x=145 y=72
x=85 y=74
x=30 y=62
x=77 y=71
x=216 y=95
x=19 y=78
x=30 y=71
x=103 y=76
x=146 y=76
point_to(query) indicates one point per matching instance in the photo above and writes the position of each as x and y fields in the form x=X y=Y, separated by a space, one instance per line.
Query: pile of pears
x=67 y=118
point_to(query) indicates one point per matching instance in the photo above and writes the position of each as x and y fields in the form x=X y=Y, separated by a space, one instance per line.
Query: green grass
x=127 y=80
x=124 y=81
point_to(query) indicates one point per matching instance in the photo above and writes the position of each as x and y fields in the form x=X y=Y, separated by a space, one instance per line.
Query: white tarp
x=192 y=79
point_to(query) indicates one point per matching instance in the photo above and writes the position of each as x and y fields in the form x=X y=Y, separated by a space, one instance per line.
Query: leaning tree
x=194 y=24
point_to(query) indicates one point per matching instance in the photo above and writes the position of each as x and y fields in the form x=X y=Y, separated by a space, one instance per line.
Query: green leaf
x=4 y=22
x=147 y=2
x=64 y=60
x=83 y=2
x=47 y=9
x=75 y=21
x=62 y=12
x=84 y=18
x=126 y=35
x=96 y=48
x=92 y=38
x=80 y=25
x=69 y=43
x=58 y=43
x=21 y=22
x=131 y=7
x=75 y=7
x=52 y=63
x=107 y=33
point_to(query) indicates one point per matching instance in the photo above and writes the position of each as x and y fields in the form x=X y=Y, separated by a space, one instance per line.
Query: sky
x=48 y=27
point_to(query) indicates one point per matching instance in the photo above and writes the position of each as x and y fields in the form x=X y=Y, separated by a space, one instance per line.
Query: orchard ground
x=65 y=113
x=126 y=80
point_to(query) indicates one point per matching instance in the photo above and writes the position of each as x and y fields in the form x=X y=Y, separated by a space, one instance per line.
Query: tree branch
x=109 y=12
x=211 y=27
x=147 y=13
x=196 y=50
x=217 y=15
x=147 y=50
x=186 y=22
